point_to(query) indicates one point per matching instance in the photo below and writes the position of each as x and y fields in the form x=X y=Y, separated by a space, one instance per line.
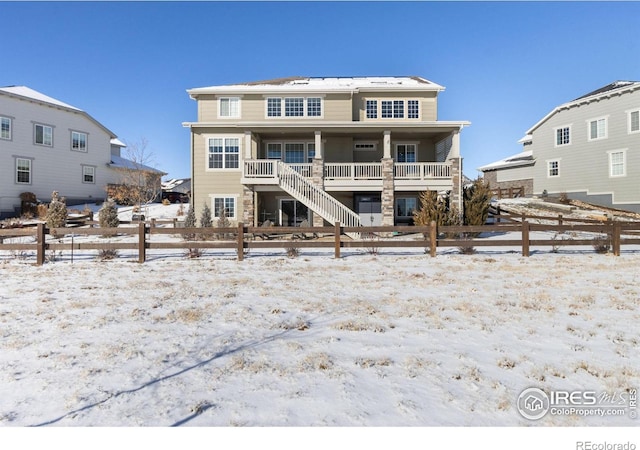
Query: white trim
x=624 y=163
x=10 y=119
x=606 y=128
x=238 y=115
x=240 y=139
x=393 y=100
x=213 y=198
x=305 y=106
x=15 y=169
x=555 y=135
x=395 y=149
x=629 y=112
x=35 y=134
x=93 y=174
x=549 y=161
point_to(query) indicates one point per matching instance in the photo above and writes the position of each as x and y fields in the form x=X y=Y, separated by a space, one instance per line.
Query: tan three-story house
x=354 y=150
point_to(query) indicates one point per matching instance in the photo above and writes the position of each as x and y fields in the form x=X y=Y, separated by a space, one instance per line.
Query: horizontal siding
x=53 y=168
x=584 y=164
x=514 y=174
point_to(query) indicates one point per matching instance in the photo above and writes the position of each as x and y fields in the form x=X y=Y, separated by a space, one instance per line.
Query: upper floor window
x=294 y=107
x=23 y=171
x=78 y=141
x=598 y=128
x=224 y=153
x=406 y=153
x=634 y=121
x=44 y=135
x=563 y=136
x=229 y=107
x=372 y=109
x=392 y=109
x=5 y=128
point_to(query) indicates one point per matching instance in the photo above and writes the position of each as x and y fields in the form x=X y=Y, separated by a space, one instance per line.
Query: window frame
x=388 y=108
x=84 y=174
x=284 y=111
x=224 y=197
x=605 y=131
x=550 y=168
x=17 y=171
x=9 y=137
x=630 y=113
x=404 y=199
x=225 y=154
x=555 y=136
x=623 y=163
x=35 y=134
x=86 y=141
x=365 y=146
x=406 y=144
x=231 y=114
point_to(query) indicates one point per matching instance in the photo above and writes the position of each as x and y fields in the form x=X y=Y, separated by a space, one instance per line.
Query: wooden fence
x=611 y=234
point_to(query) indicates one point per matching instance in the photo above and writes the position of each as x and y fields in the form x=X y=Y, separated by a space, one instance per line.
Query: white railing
x=421 y=171
x=353 y=171
x=304 y=169
x=260 y=168
x=316 y=199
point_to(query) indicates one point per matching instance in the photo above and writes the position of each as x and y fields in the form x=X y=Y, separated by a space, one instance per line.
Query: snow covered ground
x=398 y=339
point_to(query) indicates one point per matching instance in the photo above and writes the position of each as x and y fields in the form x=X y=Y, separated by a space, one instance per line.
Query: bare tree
x=139 y=182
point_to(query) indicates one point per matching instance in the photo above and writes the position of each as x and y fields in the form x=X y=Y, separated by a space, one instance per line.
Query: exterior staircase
x=314 y=198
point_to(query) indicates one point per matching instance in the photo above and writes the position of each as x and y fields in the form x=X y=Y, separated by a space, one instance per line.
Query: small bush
x=193 y=253
x=108 y=215
x=292 y=252
x=601 y=246
x=564 y=198
x=107 y=254
x=57 y=212
x=190 y=222
x=206 y=222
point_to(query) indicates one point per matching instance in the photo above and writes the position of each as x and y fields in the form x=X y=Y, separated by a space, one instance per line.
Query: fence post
x=142 y=241
x=559 y=219
x=433 y=238
x=240 y=248
x=41 y=239
x=337 y=240
x=616 y=238
x=525 y=238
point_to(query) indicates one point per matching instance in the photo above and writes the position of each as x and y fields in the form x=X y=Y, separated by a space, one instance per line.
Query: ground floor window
x=23 y=171
x=617 y=164
x=553 y=168
x=224 y=205
x=88 y=174
x=293 y=213
x=406 y=206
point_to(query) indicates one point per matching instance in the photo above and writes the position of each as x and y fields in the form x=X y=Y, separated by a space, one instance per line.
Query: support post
x=433 y=239
x=337 y=232
x=240 y=248
x=616 y=238
x=142 y=241
x=41 y=239
x=525 y=238
x=559 y=219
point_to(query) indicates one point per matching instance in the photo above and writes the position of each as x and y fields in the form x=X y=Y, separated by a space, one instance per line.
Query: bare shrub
x=108 y=217
x=371 y=239
x=292 y=252
x=107 y=254
x=601 y=245
x=57 y=212
x=193 y=253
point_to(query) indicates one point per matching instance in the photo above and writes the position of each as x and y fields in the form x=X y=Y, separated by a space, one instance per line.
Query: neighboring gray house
x=589 y=148
x=182 y=185
x=512 y=172
x=47 y=145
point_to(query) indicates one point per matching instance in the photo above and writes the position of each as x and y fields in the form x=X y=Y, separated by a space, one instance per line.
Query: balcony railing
x=267 y=169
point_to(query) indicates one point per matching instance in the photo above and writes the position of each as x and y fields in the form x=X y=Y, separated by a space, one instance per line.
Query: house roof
x=118 y=162
x=26 y=93
x=324 y=84
x=174 y=183
x=615 y=88
x=521 y=159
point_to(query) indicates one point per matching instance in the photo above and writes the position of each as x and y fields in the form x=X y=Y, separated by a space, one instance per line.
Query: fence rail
x=242 y=238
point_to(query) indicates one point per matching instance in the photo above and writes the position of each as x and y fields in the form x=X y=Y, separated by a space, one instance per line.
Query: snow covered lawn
x=389 y=340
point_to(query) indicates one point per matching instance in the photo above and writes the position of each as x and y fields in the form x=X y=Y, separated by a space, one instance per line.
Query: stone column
x=317 y=178
x=388 y=197
x=248 y=206
x=456 y=178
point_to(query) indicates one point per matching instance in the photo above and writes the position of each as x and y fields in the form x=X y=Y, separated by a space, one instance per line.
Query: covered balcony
x=415 y=176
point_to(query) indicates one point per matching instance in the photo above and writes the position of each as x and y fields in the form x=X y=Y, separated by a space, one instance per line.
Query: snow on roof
x=615 y=88
x=174 y=182
x=325 y=84
x=118 y=142
x=118 y=162
x=24 y=91
x=521 y=159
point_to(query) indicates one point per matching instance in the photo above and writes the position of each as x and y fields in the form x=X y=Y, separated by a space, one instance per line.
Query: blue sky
x=504 y=64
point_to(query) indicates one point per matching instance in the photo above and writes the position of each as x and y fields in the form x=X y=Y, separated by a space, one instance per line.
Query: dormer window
x=294 y=107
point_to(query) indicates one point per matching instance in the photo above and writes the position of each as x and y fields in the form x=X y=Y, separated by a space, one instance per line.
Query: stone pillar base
x=248 y=206
x=388 y=196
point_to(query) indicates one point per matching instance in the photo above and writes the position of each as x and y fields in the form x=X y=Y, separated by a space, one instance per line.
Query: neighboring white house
x=589 y=148
x=47 y=145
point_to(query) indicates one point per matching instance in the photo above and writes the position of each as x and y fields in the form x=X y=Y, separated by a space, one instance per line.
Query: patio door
x=293 y=213
x=406 y=153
